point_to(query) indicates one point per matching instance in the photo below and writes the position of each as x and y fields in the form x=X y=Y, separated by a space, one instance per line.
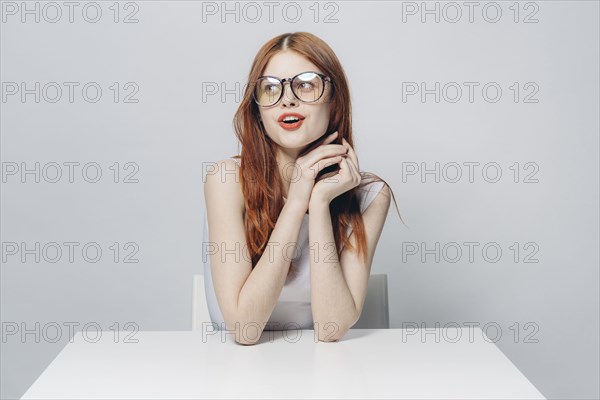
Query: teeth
x=290 y=119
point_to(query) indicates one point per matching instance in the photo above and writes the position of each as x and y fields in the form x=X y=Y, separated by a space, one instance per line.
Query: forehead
x=287 y=63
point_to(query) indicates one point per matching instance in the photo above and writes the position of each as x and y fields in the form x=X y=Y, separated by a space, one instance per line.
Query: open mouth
x=291 y=122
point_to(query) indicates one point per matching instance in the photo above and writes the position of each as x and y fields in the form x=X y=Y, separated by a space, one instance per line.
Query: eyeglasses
x=308 y=87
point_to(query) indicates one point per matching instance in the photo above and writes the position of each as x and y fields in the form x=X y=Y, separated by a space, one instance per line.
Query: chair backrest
x=375 y=312
x=199 y=306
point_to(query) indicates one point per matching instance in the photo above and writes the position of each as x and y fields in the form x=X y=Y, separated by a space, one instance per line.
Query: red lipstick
x=290 y=121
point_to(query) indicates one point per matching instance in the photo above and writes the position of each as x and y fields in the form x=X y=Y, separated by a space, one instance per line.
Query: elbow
x=244 y=342
x=332 y=331
x=333 y=337
x=244 y=333
x=241 y=326
x=335 y=330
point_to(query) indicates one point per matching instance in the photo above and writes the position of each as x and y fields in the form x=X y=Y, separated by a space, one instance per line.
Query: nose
x=289 y=99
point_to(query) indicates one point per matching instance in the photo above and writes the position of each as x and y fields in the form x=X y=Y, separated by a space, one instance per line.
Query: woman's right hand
x=308 y=166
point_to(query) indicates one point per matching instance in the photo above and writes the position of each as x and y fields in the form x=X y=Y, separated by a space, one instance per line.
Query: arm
x=246 y=296
x=339 y=286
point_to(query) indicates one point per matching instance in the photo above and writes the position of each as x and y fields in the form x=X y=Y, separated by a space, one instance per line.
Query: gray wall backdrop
x=532 y=117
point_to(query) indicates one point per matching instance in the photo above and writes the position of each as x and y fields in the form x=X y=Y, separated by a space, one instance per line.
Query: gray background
x=170 y=132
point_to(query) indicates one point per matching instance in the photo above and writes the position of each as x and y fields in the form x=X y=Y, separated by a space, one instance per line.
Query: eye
x=271 y=88
x=306 y=85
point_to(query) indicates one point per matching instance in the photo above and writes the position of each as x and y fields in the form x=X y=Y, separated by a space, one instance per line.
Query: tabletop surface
x=366 y=363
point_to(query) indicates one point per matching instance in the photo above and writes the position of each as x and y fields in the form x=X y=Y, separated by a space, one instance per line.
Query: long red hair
x=261 y=184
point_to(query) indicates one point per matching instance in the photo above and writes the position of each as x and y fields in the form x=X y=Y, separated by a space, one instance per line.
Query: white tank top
x=293 y=308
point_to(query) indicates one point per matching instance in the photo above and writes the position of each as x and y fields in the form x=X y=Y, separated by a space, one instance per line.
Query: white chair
x=375 y=312
x=199 y=306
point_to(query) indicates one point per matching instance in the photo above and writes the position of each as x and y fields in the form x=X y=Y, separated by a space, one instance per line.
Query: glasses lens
x=308 y=87
x=267 y=91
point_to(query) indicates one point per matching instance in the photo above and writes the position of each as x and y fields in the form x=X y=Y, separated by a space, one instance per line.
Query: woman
x=272 y=266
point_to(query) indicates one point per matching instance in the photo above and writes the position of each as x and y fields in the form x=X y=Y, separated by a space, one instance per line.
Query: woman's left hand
x=345 y=179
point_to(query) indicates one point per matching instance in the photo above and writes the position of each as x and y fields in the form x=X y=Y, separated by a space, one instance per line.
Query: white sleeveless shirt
x=293 y=308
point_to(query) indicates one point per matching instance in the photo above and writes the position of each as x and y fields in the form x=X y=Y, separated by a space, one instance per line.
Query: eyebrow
x=291 y=76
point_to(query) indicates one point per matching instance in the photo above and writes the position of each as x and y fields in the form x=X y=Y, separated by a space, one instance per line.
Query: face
x=293 y=140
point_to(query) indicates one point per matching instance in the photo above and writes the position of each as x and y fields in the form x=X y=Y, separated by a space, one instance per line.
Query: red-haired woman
x=292 y=236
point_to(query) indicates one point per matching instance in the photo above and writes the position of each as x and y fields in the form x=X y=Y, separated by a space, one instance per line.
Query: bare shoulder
x=375 y=214
x=382 y=200
x=384 y=196
x=222 y=184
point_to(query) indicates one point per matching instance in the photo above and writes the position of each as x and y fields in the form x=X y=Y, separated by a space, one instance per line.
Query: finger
x=351 y=158
x=321 y=142
x=347 y=145
x=351 y=153
x=345 y=167
x=350 y=165
x=327 y=162
x=324 y=151
x=330 y=138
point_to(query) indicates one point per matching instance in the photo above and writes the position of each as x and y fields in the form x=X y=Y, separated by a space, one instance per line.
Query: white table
x=366 y=363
